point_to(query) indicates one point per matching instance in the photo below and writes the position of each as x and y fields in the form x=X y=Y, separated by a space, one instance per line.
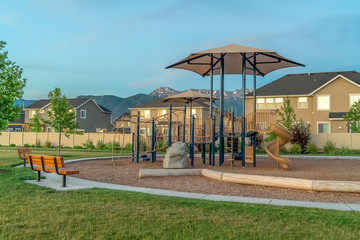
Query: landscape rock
x=175 y=156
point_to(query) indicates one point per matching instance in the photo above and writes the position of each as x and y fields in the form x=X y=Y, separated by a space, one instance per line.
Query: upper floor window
x=41 y=111
x=32 y=113
x=354 y=98
x=162 y=112
x=193 y=112
x=323 y=102
x=260 y=103
x=145 y=113
x=269 y=103
x=302 y=102
x=278 y=102
x=83 y=113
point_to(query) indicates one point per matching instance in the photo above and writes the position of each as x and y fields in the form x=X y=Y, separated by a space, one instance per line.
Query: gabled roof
x=160 y=104
x=303 y=84
x=74 y=102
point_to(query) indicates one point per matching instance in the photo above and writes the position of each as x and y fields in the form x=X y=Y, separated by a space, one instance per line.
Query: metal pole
x=213 y=141
x=184 y=130
x=138 y=137
x=254 y=142
x=170 y=122
x=192 y=141
x=221 y=127
x=178 y=133
x=153 y=141
x=203 y=144
x=233 y=139
x=243 y=110
x=211 y=86
x=132 y=147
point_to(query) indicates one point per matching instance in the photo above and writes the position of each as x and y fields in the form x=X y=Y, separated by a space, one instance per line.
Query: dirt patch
x=125 y=172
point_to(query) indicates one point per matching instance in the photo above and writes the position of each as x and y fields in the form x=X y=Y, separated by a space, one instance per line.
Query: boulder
x=175 y=156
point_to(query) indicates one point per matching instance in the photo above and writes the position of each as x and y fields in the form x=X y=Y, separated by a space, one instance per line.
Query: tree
x=353 y=117
x=287 y=115
x=35 y=124
x=11 y=88
x=301 y=135
x=61 y=117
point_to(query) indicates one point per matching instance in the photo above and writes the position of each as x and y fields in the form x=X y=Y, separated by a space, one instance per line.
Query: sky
x=115 y=47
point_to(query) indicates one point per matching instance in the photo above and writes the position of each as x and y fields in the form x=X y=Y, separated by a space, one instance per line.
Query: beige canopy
x=188 y=97
x=266 y=61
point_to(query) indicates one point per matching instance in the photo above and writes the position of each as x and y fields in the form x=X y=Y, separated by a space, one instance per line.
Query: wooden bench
x=49 y=164
x=22 y=154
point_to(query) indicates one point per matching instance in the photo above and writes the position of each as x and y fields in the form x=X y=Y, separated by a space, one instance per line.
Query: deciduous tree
x=353 y=117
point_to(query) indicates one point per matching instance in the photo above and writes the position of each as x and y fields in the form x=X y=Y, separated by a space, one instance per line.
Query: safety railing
x=260 y=121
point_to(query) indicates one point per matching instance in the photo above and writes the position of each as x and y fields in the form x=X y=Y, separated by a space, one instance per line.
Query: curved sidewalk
x=54 y=181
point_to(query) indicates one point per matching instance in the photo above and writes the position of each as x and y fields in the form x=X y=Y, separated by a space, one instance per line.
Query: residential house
x=320 y=99
x=91 y=116
x=19 y=124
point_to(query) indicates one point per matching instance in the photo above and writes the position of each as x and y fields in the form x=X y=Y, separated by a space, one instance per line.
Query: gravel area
x=123 y=171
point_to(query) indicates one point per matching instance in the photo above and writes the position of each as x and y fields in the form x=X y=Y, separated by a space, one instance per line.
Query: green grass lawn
x=31 y=212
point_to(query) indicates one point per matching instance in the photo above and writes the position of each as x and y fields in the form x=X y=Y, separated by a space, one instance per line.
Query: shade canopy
x=266 y=61
x=189 y=97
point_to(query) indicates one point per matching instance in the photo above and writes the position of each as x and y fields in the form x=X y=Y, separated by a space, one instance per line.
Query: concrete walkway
x=54 y=181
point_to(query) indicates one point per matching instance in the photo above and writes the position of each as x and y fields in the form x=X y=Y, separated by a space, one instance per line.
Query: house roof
x=74 y=102
x=303 y=84
x=158 y=103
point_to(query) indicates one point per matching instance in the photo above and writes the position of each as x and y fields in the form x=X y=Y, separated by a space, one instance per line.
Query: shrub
x=283 y=150
x=116 y=145
x=26 y=145
x=47 y=144
x=12 y=145
x=329 y=147
x=301 y=135
x=270 y=137
x=127 y=147
x=89 y=144
x=101 y=145
x=311 y=148
x=345 y=151
x=296 y=149
x=78 y=147
x=38 y=144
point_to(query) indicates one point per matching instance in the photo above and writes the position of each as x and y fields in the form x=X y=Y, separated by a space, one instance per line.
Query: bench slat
x=53 y=170
x=48 y=160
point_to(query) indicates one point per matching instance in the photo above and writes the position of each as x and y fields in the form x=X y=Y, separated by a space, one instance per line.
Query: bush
x=296 y=149
x=329 y=148
x=127 y=147
x=38 y=144
x=259 y=140
x=12 y=145
x=89 y=144
x=270 y=137
x=311 y=148
x=101 y=145
x=78 y=147
x=26 y=145
x=345 y=151
x=301 y=135
x=283 y=150
x=116 y=145
x=47 y=144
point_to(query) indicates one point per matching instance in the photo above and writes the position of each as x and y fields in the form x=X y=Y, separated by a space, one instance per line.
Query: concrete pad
x=322 y=205
x=177 y=194
x=355 y=207
x=225 y=198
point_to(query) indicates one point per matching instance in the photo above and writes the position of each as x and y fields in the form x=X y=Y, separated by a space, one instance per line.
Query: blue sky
x=121 y=48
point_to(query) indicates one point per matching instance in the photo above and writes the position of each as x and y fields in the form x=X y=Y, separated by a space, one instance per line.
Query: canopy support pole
x=243 y=110
x=254 y=142
x=221 y=127
x=211 y=86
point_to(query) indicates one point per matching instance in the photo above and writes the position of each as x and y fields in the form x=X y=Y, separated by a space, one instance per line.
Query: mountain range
x=119 y=105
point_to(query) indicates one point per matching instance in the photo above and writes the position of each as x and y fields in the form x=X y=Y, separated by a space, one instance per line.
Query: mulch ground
x=123 y=171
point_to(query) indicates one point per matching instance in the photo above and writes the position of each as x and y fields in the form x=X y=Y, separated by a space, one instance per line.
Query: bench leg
x=64 y=181
x=24 y=163
x=38 y=176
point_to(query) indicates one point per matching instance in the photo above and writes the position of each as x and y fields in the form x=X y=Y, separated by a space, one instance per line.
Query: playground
x=125 y=172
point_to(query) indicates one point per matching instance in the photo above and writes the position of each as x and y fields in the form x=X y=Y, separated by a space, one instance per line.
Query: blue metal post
x=153 y=141
x=184 y=130
x=132 y=147
x=243 y=111
x=213 y=143
x=211 y=85
x=170 y=125
x=254 y=143
x=192 y=141
x=178 y=133
x=138 y=138
x=221 y=127
x=203 y=144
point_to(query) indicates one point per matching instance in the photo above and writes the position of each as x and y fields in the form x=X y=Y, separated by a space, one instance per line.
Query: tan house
x=91 y=116
x=321 y=99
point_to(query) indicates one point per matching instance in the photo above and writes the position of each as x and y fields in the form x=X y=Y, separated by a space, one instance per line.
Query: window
x=193 y=113
x=143 y=131
x=17 y=129
x=101 y=130
x=323 y=102
x=162 y=112
x=83 y=113
x=41 y=111
x=278 y=102
x=260 y=103
x=269 y=103
x=145 y=113
x=10 y=129
x=302 y=102
x=323 y=127
x=32 y=113
x=354 y=98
